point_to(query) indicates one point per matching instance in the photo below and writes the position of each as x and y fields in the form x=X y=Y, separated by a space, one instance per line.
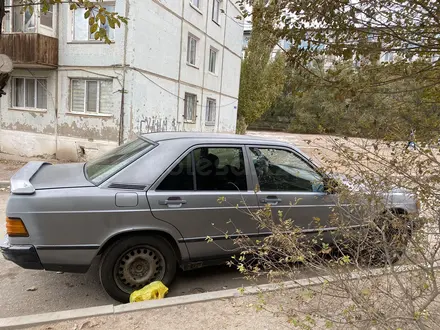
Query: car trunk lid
x=41 y=175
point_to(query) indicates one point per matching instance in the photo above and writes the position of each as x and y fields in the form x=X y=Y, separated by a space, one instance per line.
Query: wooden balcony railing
x=30 y=50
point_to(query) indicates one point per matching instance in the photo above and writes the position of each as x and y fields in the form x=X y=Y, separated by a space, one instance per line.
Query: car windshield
x=107 y=165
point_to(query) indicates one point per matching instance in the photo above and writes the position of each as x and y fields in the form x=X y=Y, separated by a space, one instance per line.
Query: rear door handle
x=272 y=200
x=173 y=202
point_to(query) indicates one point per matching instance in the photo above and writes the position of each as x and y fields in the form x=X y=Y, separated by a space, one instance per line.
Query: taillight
x=16 y=228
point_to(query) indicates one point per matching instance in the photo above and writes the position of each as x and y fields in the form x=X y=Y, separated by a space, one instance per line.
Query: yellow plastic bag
x=154 y=290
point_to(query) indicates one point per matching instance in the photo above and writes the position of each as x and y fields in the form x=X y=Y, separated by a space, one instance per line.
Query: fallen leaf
x=85 y=325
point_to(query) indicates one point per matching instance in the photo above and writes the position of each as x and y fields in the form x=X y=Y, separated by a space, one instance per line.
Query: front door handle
x=173 y=202
x=272 y=200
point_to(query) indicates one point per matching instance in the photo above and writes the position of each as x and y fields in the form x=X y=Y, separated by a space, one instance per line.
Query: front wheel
x=387 y=241
x=131 y=263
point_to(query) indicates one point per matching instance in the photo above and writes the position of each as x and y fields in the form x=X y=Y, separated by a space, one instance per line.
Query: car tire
x=397 y=238
x=131 y=263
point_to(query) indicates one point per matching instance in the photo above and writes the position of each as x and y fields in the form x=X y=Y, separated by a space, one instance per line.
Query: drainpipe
x=58 y=14
x=2 y=13
x=124 y=70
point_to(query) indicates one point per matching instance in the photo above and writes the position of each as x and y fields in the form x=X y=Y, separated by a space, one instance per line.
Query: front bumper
x=24 y=256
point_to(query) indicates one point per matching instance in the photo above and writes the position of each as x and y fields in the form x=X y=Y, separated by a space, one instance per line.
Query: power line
x=235 y=21
x=170 y=92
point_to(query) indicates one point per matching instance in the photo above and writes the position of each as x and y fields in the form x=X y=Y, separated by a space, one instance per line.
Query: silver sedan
x=147 y=207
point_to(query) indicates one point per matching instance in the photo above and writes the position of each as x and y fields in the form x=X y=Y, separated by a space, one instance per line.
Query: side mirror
x=330 y=186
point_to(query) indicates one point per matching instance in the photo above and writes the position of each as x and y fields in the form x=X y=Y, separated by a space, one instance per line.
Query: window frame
x=9 y=20
x=52 y=11
x=246 y=161
x=98 y=95
x=188 y=50
x=216 y=13
x=11 y=14
x=196 y=4
x=214 y=51
x=24 y=107
x=387 y=57
x=208 y=101
x=185 y=108
x=90 y=38
x=302 y=157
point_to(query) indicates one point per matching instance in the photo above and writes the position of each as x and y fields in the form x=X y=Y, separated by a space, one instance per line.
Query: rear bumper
x=24 y=256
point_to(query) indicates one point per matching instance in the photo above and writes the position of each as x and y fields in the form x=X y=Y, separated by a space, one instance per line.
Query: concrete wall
x=156 y=100
x=87 y=53
x=156 y=76
x=29 y=132
x=86 y=131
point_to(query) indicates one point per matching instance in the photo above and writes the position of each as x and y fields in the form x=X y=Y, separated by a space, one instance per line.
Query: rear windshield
x=102 y=168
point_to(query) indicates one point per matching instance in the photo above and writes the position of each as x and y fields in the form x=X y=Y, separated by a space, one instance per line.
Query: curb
x=4 y=184
x=21 y=322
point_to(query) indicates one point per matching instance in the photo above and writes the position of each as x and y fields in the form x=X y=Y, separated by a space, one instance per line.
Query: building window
x=91 y=96
x=212 y=60
x=22 y=21
x=388 y=57
x=6 y=24
x=372 y=37
x=216 y=11
x=211 y=105
x=287 y=44
x=192 y=50
x=46 y=18
x=81 y=31
x=196 y=3
x=246 y=40
x=17 y=20
x=29 y=93
x=190 y=107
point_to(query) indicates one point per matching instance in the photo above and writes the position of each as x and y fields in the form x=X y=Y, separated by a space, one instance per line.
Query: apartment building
x=174 y=67
x=284 y=45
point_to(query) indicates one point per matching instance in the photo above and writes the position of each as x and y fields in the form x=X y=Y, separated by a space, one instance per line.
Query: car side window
x=282 y=170
x=181 y=177
x=220 y=168
x=216 y=169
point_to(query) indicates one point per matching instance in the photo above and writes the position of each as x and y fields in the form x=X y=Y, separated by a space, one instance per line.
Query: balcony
x=30 y=50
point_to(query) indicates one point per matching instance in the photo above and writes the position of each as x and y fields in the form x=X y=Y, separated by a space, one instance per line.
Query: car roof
x=218 y=137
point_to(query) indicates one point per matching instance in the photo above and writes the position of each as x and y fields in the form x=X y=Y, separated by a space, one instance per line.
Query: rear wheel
x=131 y=263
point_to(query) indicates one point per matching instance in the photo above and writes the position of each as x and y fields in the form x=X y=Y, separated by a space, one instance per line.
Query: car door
x=208 y=192
x=292 y=185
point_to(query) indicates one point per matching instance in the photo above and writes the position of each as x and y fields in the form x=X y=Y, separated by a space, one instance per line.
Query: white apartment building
x=174 y=67
x=284 y=45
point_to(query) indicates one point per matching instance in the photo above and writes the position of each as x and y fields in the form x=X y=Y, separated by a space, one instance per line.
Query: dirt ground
x=237 y=313
x=8 y=168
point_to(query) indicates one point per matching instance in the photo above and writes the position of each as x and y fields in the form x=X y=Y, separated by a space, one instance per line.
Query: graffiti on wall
x=157 y=124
